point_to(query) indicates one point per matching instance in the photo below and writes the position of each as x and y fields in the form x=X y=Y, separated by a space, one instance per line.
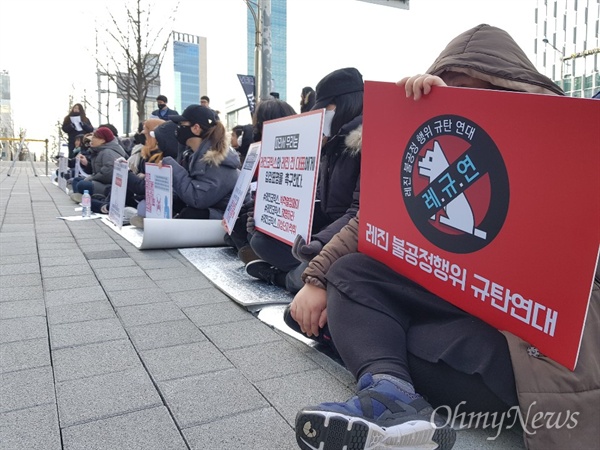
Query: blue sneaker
x=379 y=417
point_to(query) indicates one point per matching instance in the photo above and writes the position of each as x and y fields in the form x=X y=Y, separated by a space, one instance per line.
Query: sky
x=48 y=47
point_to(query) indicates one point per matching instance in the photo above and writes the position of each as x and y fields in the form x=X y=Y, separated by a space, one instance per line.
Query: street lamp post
x=261 y=13
x=257 y=16
x=562 y=56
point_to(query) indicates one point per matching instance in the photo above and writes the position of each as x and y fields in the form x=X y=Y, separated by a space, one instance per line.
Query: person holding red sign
x=404 y=344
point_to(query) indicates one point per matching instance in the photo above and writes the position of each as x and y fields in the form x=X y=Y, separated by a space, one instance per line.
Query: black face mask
x=184 y=132
x=74 y=113
x=161 y=106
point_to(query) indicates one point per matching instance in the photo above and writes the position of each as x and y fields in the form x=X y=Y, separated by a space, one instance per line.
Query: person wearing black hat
x=341 y=94
x=206 y=175
x=163 y=112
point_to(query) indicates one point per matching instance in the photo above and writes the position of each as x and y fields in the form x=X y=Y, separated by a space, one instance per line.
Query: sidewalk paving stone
x=217 y=313
x=182 y=361
x=148 y=264
x=262 y=429
x=80 y=312
x=26 y=389
x=292 y=392
x=112 y=263
x=269 y=360
x=80 y=270
x=70 y=282
x=94 y=359
x=150 y=313
x=108 y=273
x=21 y=293
x=191 y=284
x=105 y=254
x=165 y=334
x=200 y=297
x=137 y=297
x=203 y=398
x=128 y=284
x=82 y=333
x=29 y=279
x=103 y=396
x=75 y=295
x=22 y=328
x=53 y=261
x=149 y=429
x=30 y=429
x=245 y=333
x=22 y=308
x=23 y=355
x=9 y=268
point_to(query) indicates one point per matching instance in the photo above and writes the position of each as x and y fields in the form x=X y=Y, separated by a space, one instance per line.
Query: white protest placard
x=159 y=191
x=118 y=192
x=63 y=167
x=287 y=177
x=241 y=186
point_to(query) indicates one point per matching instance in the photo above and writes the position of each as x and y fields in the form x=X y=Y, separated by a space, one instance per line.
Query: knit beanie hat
x=104 y=133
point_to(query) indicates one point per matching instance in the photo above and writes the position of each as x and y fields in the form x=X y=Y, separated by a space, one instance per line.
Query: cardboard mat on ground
x=171 y=233
x=223 y=267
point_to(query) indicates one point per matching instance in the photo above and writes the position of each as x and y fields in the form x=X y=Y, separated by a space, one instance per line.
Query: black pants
x=382 y=322
x=279 y=254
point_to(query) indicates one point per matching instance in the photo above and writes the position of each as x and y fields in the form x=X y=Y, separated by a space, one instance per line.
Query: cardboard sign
x=63 y=167
x=241 y=187
x=118 y=192
x=287 y=175
x=159 y=191
x=489 y=200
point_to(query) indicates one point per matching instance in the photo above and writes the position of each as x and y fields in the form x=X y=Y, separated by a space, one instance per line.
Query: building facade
x=6 y=122
x=189 y=70
x=566 y=45
x=278 y=46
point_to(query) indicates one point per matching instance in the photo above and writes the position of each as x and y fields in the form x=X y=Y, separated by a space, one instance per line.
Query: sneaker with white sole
x=381 y=416
x=76 y=197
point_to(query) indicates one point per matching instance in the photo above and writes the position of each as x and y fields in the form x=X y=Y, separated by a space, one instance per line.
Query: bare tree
x=141 y=51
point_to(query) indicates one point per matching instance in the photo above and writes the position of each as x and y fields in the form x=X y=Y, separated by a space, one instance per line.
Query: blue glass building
x=278 y=46
x=189 y=64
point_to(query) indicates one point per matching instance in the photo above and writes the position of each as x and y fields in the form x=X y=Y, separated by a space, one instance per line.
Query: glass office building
x=189 y=64
x=566 y=45
x=278 y=46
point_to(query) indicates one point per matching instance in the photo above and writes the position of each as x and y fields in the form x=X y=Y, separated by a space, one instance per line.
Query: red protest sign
x=489 y=200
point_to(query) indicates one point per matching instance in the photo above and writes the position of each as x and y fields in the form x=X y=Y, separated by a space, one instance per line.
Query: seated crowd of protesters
x=409 y=350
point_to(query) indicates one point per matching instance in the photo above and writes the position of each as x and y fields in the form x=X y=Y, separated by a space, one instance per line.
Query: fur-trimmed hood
x=490 y=54
x=353 y=132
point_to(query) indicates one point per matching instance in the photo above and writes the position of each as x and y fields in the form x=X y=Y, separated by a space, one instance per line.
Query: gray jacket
x=103 y=162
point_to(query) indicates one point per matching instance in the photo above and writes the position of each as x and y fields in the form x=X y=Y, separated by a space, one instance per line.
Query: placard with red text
x=287 y=175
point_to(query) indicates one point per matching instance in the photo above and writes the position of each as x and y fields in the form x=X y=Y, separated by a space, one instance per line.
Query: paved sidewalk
x=104 y=346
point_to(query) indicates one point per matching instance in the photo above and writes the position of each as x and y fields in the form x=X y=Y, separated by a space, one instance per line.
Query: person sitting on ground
x=104 y=150
x=208 y=171
x=241 y=138
x=160 y=141
x=269 y=109
x=404 y=344
x=338 y=184
x=307 y=99
x=139 y=139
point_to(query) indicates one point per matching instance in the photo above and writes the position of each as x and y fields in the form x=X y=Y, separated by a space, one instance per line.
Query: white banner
x=287 y=178
x=159 y=191
x=241 y=187
x=118 y=192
